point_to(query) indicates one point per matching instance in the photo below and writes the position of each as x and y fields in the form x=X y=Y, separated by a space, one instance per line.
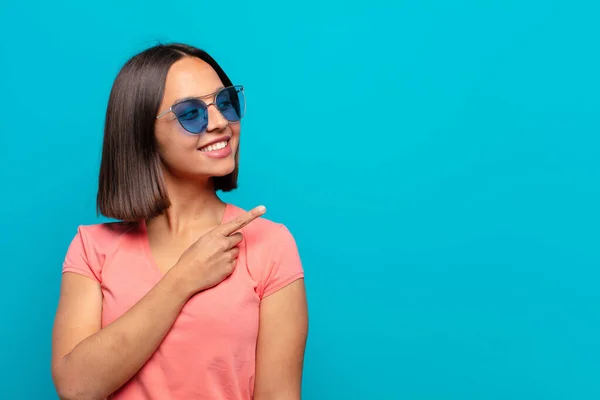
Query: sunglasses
x=192 y=113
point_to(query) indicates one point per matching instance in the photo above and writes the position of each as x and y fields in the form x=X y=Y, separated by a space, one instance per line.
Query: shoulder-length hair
x=131 y=185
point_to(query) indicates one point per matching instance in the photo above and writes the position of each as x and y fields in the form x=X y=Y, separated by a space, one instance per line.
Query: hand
x=213 y=257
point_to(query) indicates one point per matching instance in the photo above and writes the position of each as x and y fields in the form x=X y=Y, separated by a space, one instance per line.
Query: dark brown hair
x=131 y=185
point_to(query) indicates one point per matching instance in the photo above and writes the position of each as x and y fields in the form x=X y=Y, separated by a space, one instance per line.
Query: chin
x=223 y=171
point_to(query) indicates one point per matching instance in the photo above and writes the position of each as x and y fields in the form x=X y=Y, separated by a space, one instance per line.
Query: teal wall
x=437 y=162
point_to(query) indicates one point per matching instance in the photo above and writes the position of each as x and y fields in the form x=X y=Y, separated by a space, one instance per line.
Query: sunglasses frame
x=238 y=88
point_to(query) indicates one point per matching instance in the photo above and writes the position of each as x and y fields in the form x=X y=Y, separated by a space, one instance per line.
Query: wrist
x=178 y=284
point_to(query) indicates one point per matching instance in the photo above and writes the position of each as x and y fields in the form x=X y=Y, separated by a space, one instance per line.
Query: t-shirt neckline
x=146 y=241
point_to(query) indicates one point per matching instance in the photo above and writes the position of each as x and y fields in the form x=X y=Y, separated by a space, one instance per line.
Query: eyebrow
x=197 y=97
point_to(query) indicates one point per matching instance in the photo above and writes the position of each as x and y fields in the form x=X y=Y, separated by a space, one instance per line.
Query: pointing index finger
x=240 y=221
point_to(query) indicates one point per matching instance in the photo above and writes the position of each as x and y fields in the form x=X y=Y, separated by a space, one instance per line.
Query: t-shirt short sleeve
x=284 y=266
x=77 y=259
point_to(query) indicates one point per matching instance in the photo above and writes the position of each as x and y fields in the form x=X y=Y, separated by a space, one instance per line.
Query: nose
x=216 y=120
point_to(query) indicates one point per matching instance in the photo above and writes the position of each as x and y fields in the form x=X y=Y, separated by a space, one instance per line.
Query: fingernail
x=262 y=209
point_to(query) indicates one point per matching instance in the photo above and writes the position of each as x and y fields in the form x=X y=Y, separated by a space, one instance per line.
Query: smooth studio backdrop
x=437 y=162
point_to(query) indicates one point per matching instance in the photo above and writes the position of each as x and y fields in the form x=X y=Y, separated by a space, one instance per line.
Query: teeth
x=215 y=146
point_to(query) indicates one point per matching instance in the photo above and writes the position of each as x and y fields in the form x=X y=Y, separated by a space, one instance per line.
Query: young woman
x=188 y=297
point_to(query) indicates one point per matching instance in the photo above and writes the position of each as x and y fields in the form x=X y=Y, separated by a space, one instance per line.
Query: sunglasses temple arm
x=163 y=114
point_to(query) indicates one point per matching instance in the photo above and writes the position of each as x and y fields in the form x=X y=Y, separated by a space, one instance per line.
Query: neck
x=194 y=205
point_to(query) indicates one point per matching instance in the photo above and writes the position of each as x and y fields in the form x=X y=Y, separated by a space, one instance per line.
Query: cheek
x=235 y=129
x=162 y=135
x=172 y=143
x=235 y=133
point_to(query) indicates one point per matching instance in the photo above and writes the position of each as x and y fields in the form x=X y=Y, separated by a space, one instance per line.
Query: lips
x=215 y=144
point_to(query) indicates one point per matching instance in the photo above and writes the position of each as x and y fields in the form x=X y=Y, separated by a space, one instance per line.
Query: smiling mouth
x=215 y=146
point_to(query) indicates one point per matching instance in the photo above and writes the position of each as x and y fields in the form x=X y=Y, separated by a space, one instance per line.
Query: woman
x=188 y=297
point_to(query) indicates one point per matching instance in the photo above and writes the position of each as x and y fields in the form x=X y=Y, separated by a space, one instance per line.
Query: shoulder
x=271 y=254
x=262 y=230
x=106 y=235
x=92 y=245
x=107 y=231
x=267 y=241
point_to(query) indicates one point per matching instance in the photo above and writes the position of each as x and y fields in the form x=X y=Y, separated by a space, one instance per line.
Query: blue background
x=437 y=162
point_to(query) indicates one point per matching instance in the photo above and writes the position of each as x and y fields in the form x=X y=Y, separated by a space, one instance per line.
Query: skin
x=194 y=252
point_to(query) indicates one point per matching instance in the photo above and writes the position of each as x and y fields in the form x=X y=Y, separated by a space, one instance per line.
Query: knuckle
x=228 y=269
x=224 y=244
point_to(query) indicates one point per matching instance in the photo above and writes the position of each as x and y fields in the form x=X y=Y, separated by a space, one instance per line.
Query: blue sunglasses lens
x=232 y=103
x=192 y=115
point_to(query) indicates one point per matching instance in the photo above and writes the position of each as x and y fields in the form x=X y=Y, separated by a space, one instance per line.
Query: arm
x=91 y=363
x=283 y=329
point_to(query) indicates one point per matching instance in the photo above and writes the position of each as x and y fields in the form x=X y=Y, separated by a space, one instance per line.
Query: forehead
x=190 y=77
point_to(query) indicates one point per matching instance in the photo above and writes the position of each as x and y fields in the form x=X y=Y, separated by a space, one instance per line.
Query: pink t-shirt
x=210 y=351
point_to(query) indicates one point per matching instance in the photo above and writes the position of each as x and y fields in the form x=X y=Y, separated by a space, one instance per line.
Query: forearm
x=103 y=362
